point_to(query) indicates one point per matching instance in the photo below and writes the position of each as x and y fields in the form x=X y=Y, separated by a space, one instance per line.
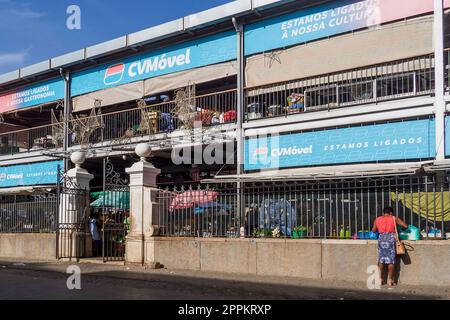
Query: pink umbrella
x=192 y=197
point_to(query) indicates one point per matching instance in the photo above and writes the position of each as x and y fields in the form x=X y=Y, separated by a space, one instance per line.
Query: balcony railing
x=210 y=109
x=27 y=140
x=387 y=81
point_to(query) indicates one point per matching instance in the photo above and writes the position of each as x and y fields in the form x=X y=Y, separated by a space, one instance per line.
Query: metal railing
x=393 y=80
x=34 y=214
x=387 y=81
x=340 y=209
x=199 y=212
x=210 y=109
x=27 y=140
x=347 y=209
x=447 y=69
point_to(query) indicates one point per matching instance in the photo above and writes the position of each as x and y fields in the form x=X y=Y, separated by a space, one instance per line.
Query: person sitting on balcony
x=387 y=254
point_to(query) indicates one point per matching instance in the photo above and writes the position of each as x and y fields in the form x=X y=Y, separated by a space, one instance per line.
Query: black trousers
x=96 y=248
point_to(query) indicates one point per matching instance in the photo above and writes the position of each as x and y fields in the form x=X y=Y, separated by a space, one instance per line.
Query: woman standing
x=387 y=254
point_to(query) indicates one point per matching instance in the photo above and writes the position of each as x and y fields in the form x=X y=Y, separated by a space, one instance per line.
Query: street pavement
x=48 y=281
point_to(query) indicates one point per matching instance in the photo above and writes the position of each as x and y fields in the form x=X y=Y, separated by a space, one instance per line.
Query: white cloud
x=18 y=10
x=26 y=13
x=13 y=58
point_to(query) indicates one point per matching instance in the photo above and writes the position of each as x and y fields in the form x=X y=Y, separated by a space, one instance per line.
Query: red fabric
x=230 y=116
x=386 y=224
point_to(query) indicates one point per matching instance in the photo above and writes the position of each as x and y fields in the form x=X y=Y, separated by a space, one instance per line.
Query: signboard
x=447 y=136
x=328 y=20
x=30 y=174
x=202 y=52
x=33 y=95
x=381 y=142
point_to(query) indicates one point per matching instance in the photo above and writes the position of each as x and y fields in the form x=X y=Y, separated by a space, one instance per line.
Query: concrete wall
x=426 y=263
x=28 y=246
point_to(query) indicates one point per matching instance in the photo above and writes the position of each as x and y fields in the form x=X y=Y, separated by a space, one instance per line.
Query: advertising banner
x=447 y=136
x=328 y=20
x=202 y=52
x=391 y=141
x=33 y=95
x=44 y=173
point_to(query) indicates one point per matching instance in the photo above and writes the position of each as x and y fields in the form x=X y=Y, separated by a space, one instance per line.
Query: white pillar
x=81 y=177
x=77 y=179
x=439 y=103
x=143 y=212
x=75 y=205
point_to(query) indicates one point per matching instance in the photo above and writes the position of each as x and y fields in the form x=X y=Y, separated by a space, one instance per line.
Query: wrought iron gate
x=72 y=219
x=115 y=213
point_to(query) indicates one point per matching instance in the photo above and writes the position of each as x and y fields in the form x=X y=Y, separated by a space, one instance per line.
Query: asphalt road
x=50 y=285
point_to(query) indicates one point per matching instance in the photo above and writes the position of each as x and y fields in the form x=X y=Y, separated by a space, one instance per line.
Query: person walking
x=387 y=255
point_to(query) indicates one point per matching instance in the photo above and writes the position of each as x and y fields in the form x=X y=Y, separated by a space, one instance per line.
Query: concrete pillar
x=74 y=207
x=144 y=213
x=80 y=177
x=67 y=112
x=439 y=104
x=241 y=111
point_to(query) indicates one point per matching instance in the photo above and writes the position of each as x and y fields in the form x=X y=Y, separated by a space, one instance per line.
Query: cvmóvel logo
x=261 y=153
x=114 y=74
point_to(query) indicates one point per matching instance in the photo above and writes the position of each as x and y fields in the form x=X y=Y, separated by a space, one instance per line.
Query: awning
x=438 y=165
x=26 y=190
x=119 y=200
x=325 y=173
x=139 y=89
x=127 y=92
x=350 y=51
x=407 y=66
x=34 y=107
x=182 y=79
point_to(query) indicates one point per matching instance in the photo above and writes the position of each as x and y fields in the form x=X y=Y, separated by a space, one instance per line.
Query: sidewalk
x=275 y=286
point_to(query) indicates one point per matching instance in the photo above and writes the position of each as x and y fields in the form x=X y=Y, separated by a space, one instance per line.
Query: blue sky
x=33 y=31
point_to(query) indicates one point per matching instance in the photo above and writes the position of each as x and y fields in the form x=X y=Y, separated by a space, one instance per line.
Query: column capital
x=143 y=174
x=80 y=177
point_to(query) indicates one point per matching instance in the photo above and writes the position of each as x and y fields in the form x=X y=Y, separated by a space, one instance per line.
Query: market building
x=289 y=123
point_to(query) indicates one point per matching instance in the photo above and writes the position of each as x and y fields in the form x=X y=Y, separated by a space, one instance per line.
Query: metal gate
x=115 y=213
x=72 y=219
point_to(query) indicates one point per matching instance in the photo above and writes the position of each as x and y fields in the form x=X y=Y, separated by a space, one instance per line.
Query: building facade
x=294 y=119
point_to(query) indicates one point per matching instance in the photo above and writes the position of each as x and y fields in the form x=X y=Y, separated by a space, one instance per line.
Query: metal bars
x=340 y=209
x=387 y=81
x=28 y=214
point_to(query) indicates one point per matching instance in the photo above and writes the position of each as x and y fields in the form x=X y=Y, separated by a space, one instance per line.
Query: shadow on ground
x=41 y=281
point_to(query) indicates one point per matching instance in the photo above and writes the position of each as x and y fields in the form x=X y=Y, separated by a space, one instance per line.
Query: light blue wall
x=32 y=95
x=202 y=52
x=447 y=135
x=321 y=22
x=43 y=173
x=371 y=143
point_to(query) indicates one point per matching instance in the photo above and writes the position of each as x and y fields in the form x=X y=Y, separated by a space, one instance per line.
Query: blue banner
x=381 y=142
x=205 y=51
x=327 y=20
x=40 y=93
x=447 y=135
x=34 y=174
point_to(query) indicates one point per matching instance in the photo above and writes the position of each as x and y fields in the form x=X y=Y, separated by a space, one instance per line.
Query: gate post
x=75 y=240
x=143 y=209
